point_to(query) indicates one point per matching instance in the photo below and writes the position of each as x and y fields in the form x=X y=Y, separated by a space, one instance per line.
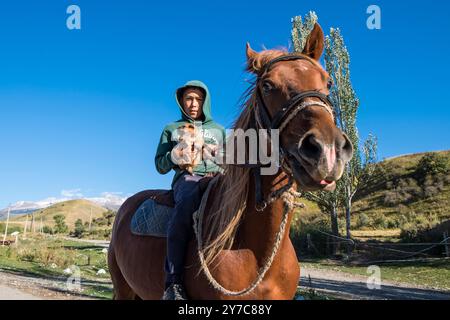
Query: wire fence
x=397 y=249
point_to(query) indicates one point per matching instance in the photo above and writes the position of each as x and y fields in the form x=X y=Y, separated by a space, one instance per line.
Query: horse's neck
x=258 y=230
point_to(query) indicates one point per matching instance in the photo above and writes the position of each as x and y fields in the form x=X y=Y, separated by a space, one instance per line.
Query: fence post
x=328 y=245
x=446 y=242
x=308 y=241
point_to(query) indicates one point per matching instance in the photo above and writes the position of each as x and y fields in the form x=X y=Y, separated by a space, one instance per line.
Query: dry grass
x=388 y=233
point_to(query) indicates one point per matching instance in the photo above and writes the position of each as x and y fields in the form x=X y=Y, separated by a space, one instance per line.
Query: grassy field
x=46 y=258
x=433 y=273
x=311 y=294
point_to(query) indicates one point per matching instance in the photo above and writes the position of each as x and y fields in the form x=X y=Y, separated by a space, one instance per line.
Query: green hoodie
x=213 y=133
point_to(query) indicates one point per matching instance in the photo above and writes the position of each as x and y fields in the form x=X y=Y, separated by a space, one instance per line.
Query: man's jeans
x=187 y=198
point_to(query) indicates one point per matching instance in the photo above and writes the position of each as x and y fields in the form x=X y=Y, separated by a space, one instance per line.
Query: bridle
x=292 y=106
x=281 y=119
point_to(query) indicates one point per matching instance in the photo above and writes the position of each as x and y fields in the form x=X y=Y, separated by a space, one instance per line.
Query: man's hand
x=188 y=152
x=209 y=151
x=182 y=154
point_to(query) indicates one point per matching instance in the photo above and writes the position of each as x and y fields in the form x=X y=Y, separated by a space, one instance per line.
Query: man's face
x=193 y=103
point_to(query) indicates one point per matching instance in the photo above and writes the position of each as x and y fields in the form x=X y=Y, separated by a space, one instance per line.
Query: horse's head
x=316 y=150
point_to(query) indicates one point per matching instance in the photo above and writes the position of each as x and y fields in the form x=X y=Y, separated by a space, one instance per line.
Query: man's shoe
x=175 y=292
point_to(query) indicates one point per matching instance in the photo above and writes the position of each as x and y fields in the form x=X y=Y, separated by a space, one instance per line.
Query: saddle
x=153 y=215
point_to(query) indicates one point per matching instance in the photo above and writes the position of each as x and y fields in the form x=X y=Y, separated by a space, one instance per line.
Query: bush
x=47 y=256
x=316 y=230
x=416 y=225
x=391 y=198
x=380 y=222
x=100 y=233
x=60 y=226
x=432 y=164
x=79 y=229
x=107 y=233
x=392 y=223
x=27 y=255
x=409 y=232
x=407 y=190
x=106 y=219
x=401 y=220
x=363 y=221
x=11 y=228
x=48 y=230
x=432 y=185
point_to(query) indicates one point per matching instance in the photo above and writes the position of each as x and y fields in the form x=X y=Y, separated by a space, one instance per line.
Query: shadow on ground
x=359 y=290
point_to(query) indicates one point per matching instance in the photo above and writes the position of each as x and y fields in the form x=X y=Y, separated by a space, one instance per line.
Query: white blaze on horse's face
x=330 y=152
x=193 y=103
x=302 y=68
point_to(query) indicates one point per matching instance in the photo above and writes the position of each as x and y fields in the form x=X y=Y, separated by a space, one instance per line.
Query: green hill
x=401 y=197
x=72 y=210
x=403 y=193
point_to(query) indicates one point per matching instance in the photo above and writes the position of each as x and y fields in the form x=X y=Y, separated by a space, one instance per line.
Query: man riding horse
x=191 y=163
x=244 y=251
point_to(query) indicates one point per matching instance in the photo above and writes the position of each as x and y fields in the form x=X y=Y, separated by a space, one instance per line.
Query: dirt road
x=15 y=286
x=7 y=293
x=347 y=286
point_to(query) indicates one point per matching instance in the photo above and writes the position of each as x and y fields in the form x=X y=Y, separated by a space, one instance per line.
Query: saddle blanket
x=151 y=219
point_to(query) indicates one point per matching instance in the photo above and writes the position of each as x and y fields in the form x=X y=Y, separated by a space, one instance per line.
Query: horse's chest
x=279 y=283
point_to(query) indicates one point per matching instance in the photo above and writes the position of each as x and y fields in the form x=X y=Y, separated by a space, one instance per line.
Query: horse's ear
x=315 y=43
x=252 y=56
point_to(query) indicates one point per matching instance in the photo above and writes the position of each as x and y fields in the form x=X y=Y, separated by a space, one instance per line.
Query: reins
x=289 y=203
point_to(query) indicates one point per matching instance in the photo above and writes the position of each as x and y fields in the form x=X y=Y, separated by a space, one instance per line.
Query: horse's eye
x=330 y=83
x=267 y=87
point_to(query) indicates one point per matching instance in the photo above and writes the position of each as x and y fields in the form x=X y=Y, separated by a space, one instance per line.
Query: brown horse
x=239 y=238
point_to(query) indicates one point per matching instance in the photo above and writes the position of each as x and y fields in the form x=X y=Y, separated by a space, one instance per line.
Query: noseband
x=282 y=118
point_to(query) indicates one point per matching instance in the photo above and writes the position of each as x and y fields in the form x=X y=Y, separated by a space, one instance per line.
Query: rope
x=285 y=191
x=337 y=237
x=378 y=246
x=413 y=253
x=289 y=204
x=303 y=106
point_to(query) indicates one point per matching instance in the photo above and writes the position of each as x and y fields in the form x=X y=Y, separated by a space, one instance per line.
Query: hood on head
x=206 y=102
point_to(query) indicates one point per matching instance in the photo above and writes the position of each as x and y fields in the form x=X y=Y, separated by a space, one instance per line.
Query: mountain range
x=108 y=201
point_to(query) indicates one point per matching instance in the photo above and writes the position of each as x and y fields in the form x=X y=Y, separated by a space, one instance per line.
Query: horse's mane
x=231 y=191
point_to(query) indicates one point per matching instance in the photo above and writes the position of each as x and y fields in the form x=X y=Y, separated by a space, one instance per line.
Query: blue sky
x=83 y=109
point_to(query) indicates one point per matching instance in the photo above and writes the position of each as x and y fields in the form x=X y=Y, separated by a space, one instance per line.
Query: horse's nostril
x=310 y=148
x=345 y=148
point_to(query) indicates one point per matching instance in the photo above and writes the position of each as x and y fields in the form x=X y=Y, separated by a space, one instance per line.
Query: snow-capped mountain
x=22 y=207
x=107 y=200
x=110 y=201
